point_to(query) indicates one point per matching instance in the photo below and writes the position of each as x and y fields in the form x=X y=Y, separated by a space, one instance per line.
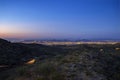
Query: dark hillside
x=60 y=62
x=16 y=53
x=19 y=53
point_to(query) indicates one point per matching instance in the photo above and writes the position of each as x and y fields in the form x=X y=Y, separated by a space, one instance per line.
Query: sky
x=60 y=19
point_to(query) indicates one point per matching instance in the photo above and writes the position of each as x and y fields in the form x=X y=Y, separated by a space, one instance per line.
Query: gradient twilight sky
x=62 y=19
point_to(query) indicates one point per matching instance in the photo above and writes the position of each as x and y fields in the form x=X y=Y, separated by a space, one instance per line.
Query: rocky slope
x=77 y=62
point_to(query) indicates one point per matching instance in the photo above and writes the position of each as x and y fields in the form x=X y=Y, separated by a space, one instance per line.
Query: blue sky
x=62 y=19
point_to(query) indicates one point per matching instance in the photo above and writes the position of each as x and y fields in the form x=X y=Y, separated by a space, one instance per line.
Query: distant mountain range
x=63 y=40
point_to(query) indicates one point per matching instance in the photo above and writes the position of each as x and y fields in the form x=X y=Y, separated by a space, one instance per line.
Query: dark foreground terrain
x=73 y=62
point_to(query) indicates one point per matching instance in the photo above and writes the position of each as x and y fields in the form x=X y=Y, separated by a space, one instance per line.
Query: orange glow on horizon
x=15 y=31
x=18 y=35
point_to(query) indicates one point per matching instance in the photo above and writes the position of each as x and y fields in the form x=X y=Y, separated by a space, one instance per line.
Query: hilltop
x=61 y=62
x=19 y=53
